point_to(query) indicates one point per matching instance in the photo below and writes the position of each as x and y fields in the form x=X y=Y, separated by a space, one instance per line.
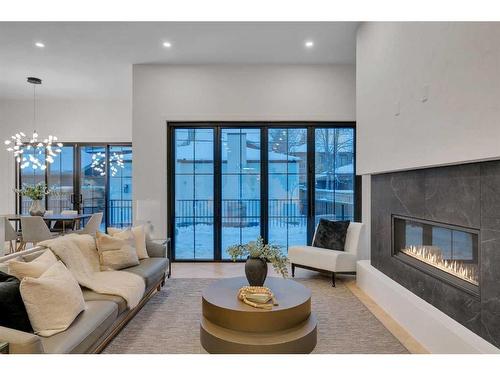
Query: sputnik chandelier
x=33 y=151
x=99 y=165
x=115 y=162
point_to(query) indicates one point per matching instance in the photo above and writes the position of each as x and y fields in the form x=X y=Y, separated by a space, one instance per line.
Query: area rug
x=169 y=323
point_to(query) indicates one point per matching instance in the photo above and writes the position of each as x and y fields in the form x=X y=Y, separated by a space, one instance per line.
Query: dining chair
x=48 y=222
x=34 y=230
x=92 y=225
x=64 y=225
x=10 y=235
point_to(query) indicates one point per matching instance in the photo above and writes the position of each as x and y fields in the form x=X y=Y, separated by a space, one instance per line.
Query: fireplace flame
x=434 y=257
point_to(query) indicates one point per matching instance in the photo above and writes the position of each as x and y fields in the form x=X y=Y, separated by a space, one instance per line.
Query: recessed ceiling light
x=39 y=44
x=167 y=44
x=309 y=44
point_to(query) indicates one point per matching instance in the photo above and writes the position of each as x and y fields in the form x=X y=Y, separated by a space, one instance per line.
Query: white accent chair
x=334 y=261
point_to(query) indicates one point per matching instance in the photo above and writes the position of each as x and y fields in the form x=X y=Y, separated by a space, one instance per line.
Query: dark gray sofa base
x=97 y=318
x=123 y=319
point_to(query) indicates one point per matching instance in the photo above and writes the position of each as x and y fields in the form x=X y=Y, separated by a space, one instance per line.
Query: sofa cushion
x=150 y=269
x=330 y=234
x=53 y=300
x=87 y=328
x=115 y=253
x=156 y=250
x=138 y=235
x=323 y=259
x=34 y=268
x=90 y=295
x=21 y=342
x=12 y=311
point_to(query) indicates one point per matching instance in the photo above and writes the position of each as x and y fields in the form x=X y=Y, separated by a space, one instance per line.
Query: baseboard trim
x=434 y=330
x=407 y=340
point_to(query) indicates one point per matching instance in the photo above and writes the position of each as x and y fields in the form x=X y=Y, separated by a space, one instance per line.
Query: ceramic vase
x=256 y=271
x=37 y=208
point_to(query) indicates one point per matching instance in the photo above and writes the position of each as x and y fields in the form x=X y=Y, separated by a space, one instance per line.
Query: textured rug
x=169 y=323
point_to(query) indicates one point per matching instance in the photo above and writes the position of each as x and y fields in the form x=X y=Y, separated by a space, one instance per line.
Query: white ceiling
x=94 y=59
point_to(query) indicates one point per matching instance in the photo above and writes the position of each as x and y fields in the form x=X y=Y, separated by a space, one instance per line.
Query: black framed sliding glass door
x=241 y=182
x=87 y=178
x=93 y=177
x=232 y=182
x=119 y=207
x=194 y=193
x=287 y=186
x=60 y=177
x=30 y=176
x=334 y=177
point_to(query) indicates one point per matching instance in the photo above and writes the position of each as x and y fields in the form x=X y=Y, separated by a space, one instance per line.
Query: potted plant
x=35 y=193
x=258 y=254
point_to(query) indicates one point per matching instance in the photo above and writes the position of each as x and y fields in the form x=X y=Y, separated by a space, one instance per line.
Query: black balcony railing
x=120 y=213
x=246 y=212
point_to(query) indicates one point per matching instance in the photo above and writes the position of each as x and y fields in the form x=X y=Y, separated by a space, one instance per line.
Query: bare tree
x=286 y=140
x=330 y=143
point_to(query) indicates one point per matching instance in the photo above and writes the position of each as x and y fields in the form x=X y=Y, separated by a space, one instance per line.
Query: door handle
x=81 y=198
x=72 y=198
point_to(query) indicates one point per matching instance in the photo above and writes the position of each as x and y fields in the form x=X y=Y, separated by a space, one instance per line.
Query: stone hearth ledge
x=433 y=329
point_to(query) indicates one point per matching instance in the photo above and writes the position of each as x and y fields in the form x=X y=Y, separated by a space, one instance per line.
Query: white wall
x=164 y=93
x=457 y=64
x=71 y=120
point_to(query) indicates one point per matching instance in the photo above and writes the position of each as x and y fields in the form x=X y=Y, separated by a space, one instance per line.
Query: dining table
x=73 y=219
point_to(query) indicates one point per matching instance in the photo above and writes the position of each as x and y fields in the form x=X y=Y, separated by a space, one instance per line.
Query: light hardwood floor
x=219 y=270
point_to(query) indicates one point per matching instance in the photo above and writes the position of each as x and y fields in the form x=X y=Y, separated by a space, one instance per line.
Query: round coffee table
x=231 y=326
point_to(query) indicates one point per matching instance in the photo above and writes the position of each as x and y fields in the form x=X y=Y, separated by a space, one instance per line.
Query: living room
x=254 y=186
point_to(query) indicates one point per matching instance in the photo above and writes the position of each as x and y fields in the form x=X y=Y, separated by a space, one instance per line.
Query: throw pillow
x=53 y=300
x=330 y=234
x=139 y=237
x=35 y=268
x=12 y=311
x=4 y=266
x=115 y=253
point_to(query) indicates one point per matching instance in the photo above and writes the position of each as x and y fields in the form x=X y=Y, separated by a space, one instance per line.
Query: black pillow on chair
x=331 y=234
x=12 y=311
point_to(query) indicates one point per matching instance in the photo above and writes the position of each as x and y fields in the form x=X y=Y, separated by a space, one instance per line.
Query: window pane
x=194 y=193
x=120 y=186
x=240 y=186
x=334 y=174
x=287 y=181
x=60 y=178
x=93 y=181
x=32 y=176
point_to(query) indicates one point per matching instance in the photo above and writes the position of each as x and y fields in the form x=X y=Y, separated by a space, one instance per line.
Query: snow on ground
x=196 y=241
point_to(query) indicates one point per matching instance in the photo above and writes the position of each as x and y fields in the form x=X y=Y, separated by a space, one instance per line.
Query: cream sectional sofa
x=103 y=318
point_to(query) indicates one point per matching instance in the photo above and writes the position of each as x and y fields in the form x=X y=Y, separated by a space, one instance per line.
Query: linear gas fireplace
x=448 y=252
x=436 y=232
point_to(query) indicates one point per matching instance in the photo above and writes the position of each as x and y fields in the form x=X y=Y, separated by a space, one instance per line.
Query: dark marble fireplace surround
x=466 y=195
